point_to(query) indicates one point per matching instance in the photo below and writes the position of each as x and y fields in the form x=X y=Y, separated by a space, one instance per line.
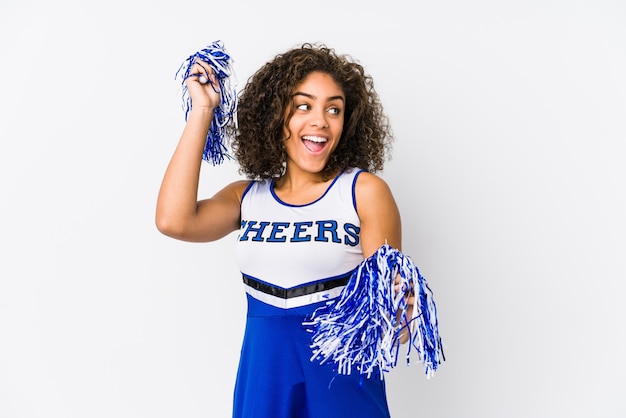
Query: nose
x=318 y=119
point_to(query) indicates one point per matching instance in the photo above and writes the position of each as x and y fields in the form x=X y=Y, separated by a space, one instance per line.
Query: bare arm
x=379 y=214
x=380 y=224
x=179 y=214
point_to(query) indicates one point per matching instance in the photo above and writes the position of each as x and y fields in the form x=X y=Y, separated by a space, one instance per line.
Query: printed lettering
x=326 y=226
x=277 y=228
x=250 y=228
x=300 y=228
x=352 y=234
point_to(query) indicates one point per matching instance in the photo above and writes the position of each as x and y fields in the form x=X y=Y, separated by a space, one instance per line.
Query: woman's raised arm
x=179 y=214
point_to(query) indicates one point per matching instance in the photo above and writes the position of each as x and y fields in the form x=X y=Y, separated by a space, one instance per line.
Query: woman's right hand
x=203 y=95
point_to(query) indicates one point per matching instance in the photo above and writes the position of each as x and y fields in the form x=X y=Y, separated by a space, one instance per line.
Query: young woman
x=310 y=136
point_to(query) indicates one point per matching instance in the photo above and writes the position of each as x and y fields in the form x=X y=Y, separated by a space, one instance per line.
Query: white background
x=508 y=168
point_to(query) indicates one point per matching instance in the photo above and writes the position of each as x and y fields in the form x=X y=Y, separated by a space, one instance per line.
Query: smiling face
x=316 y=125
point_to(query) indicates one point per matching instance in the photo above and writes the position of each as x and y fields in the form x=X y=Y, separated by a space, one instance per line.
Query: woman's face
x=316 y=125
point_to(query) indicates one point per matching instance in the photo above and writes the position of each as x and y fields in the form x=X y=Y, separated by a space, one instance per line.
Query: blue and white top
x=296 y=255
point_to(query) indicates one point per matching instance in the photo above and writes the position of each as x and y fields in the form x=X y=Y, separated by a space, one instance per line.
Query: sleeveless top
x=296 y=255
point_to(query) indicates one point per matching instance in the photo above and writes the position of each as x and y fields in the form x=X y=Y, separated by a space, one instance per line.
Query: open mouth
x=314 y=143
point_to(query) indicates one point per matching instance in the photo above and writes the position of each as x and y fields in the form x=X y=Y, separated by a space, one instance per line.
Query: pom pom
x=216 y=56
x=362 y=328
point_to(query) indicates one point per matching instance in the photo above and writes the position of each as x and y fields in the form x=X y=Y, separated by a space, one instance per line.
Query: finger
x=208 y=77
x=206 y=72
x=202 y=72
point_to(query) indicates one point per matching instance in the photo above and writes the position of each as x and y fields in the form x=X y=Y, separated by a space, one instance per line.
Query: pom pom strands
x=215 y=55
x=362 y=327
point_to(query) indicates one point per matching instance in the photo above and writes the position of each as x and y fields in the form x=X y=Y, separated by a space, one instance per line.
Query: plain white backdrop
x=508 y=168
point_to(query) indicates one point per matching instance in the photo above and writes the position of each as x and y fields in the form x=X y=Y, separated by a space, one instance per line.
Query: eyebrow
x=310 y=96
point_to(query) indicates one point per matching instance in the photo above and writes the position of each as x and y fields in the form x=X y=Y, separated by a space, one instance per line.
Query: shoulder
x=378 y=213
x=236 y=189
x=373 y=197
x=370 y=186
x=240 y=185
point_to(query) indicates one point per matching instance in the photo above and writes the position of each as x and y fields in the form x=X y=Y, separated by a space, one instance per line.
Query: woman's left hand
x=409 y=297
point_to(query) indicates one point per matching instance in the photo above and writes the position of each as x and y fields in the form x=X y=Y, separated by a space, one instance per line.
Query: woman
x=310 y=136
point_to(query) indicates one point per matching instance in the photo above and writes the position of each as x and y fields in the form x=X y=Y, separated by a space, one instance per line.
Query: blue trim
x=305 y=204
x=245 y=192
x=356 y=176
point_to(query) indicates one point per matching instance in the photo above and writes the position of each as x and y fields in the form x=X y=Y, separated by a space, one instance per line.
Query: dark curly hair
x=257 y=135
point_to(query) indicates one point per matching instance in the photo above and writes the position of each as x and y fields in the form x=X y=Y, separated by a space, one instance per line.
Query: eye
x=303 y=106
x=334 y=111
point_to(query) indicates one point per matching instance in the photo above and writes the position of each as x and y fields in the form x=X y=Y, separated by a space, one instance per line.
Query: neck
x=290 y=181
x=301 y=188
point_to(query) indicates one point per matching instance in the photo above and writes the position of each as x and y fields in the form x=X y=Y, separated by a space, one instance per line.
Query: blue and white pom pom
x=216 y=56
x=361 y=329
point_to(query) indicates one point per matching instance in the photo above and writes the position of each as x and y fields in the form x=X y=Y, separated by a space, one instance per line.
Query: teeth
x=314 y=138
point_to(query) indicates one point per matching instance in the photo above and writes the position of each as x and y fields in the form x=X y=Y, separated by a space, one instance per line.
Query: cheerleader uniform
x=294 y=259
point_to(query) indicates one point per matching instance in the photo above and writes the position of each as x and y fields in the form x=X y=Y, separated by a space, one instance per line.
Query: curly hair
x=257 y=136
